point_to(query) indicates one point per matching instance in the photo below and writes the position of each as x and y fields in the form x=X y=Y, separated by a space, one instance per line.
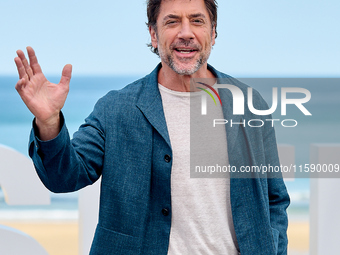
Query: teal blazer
x=125 y=140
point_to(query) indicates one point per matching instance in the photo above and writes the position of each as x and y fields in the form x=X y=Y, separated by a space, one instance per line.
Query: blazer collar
x=150 y=103
x=227 y=107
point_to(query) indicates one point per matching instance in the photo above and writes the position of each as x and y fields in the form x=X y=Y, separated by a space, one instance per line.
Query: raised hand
x=43 y=98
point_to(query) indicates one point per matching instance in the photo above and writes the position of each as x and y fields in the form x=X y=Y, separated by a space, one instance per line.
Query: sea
x=321 y=127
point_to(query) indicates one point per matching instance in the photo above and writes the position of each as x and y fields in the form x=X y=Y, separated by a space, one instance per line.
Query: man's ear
x=213 y=35
x=153 y=35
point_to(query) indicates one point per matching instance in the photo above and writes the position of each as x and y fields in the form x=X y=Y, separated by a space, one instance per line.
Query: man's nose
x=186 y=32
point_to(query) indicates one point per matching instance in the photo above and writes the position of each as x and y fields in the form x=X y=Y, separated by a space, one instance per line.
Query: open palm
x=43 y=98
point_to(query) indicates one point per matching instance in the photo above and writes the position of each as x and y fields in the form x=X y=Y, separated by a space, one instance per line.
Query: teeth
x=184 y=51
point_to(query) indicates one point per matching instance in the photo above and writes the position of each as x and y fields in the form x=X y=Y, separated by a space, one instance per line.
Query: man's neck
x=171 y=80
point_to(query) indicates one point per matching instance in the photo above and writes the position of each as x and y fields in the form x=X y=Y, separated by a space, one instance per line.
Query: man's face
x=184 y=35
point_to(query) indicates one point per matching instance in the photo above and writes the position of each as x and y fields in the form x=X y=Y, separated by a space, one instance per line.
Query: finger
x=28 y=69
x=33 y=60
x=21 y=68
x=66 y=75
x=20 y=85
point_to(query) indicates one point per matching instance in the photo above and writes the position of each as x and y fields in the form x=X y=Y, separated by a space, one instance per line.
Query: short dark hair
x=154 y=6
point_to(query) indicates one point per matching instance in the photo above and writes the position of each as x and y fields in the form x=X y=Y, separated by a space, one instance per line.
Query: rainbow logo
x=212 y=89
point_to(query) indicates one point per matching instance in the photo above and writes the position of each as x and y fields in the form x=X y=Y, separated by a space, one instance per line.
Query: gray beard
x=169 y=60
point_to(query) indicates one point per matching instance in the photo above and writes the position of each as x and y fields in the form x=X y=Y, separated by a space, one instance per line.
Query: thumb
x=66 y=74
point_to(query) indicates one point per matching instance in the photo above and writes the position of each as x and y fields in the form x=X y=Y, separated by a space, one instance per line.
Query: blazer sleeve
x=66 y=165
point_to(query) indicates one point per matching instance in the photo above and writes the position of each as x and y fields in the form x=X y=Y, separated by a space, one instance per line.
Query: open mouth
x=185 y=50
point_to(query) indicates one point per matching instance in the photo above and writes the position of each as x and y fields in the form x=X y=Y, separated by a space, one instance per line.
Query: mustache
x=185 y=43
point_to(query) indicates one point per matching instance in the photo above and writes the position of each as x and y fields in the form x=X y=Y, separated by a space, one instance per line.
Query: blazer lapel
x=150 y=104
x=227 y=108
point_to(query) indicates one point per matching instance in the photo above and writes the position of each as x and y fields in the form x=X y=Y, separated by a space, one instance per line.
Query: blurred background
x=105 y=41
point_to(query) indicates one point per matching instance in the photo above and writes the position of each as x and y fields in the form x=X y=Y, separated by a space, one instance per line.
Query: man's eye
x=198 y=21
x=170 y=22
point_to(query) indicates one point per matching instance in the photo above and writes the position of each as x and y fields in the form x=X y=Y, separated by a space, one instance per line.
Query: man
x=137 y=140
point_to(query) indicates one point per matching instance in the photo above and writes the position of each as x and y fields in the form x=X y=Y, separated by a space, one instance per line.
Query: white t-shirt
x=201 y=213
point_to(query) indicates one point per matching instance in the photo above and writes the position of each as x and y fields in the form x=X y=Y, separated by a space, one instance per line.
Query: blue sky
x=255 y=38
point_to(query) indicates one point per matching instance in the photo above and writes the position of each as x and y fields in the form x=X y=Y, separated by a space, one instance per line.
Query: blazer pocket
x=276 y=234
x=107 y=241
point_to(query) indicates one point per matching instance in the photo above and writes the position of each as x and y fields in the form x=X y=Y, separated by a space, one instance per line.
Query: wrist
x=48 y=129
